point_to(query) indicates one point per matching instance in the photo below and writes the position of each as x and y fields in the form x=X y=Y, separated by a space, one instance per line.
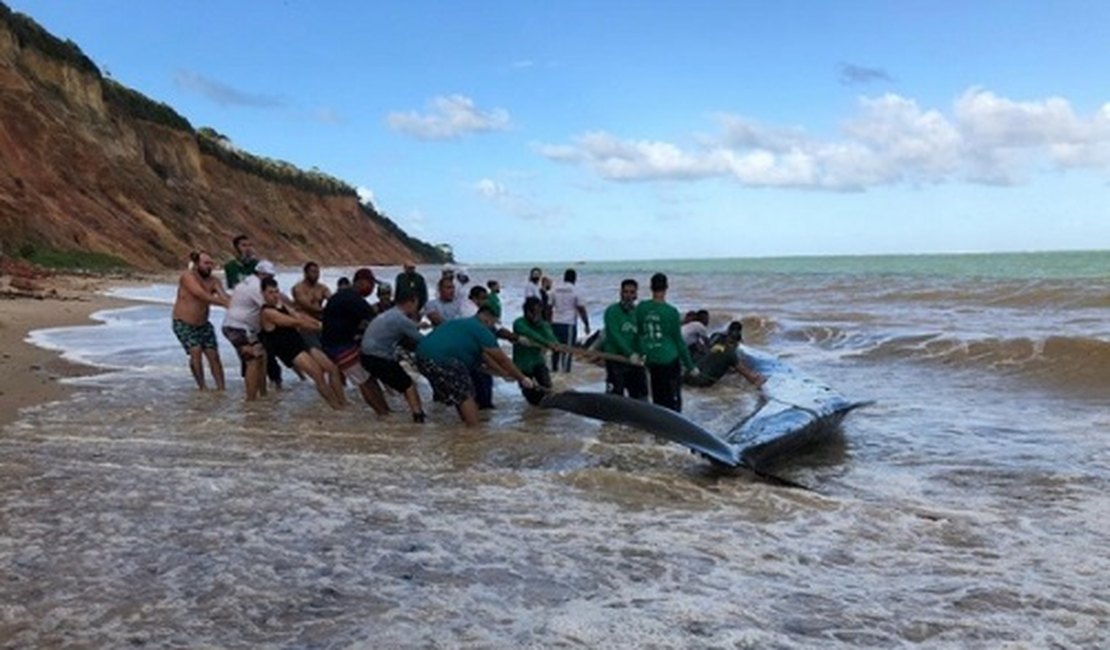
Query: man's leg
x=196 y=366
x=666 y=383
x=468 y=411
x=273 y=370
x=255 y=375
x=373 y=396
x=483 y=388
x=635 y=382
x=614 y=378
x=215 y=366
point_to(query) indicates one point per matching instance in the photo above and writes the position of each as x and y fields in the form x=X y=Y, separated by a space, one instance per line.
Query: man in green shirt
x=534 y=335
x=662 y=345
x=494 y=300
x=409 y=281
x=243 y=264
x=722 y=358
x=621 y=337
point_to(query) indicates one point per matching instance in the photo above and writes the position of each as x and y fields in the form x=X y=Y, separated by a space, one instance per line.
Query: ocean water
x=969 y=507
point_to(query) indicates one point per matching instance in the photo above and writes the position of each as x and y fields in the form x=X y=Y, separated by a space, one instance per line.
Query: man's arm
x=755 y=378
x=195 y=288
x=680 y=343
x=614 y=335
x=434 y=317
x=500 y=362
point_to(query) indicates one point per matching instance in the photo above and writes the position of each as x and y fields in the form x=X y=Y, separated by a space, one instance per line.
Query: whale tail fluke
x=649 y=417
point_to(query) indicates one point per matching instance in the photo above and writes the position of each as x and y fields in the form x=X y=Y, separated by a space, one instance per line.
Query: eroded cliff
x=87 y=165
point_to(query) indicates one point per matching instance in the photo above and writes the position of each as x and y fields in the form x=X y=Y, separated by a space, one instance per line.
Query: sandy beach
x=30 y=375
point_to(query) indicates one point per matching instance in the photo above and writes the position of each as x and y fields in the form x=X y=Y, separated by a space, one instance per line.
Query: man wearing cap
x=385 y=298
x=661 y=343
x=346 y=315
x=412 y=283
x=722 y=358
x=241 y=325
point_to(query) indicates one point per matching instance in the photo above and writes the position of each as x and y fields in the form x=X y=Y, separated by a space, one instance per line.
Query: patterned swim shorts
x=195 y=336
x=450 y=380
x=347 y=358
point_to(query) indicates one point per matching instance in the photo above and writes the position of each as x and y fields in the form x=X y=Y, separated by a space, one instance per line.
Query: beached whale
x=796 y=412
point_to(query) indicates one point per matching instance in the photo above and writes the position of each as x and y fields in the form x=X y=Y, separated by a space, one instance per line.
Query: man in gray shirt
x=383 y=335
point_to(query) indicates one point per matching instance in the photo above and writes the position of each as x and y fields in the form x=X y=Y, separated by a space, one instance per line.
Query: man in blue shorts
x=197 y=290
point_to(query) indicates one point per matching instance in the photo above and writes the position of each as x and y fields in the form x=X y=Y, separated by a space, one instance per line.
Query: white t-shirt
x=448 y=310
x=245 y=305
x=531 y=290
x=694 y=331
x=565 y=304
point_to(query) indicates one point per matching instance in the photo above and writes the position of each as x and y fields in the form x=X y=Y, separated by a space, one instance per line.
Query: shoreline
x=31 y=375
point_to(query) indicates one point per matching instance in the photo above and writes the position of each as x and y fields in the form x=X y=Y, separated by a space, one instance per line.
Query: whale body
x=796 y=412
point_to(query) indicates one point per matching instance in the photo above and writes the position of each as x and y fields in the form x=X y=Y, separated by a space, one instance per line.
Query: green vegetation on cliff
x=420 y=247
x=219 y=146
x=137 y=105
x=71 y=260
x=30 y=34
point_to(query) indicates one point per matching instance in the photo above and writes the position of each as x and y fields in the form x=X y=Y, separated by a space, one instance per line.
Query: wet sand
x=30 y=375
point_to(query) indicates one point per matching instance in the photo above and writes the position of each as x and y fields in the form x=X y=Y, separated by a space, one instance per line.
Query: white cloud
x=512 y=203
x=890 y=140
x=490 y=189
x=448 y=118
x=366 y=196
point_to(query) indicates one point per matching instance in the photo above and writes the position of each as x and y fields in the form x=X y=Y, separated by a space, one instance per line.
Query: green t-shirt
x=494 y=303
x=720 y=360
x=236 y=270
x=527 y=357
x=661 y=335
x=620 y=331
x=462 y=339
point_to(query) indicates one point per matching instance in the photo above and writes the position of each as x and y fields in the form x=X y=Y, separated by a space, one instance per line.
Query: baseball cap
x=265 y=267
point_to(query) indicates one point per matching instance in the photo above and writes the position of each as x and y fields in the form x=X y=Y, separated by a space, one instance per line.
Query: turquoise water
x=1032 y=265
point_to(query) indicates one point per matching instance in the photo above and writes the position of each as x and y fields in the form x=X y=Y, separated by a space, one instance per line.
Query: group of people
x=338 y=338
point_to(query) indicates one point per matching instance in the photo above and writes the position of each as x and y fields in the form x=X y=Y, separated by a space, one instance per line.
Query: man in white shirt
x=532 y=289
x=445 y=306
x=566 y=309
x=695 y=333
x=241 y=325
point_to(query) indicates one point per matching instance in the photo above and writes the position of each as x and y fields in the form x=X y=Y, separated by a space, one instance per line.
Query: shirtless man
x=309 y=295
x=197 y=290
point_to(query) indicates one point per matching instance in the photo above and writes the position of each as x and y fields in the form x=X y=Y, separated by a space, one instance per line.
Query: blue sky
x=566 y=130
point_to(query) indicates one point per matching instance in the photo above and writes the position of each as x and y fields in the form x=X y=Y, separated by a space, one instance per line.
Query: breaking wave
x=1063 y=361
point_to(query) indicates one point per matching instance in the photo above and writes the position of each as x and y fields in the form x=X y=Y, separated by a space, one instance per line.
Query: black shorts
x=622 y=378
x=388 y=371
x=666 y=385
x=450 y=379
